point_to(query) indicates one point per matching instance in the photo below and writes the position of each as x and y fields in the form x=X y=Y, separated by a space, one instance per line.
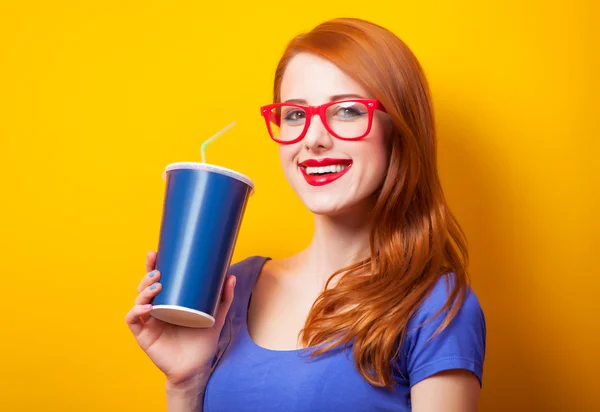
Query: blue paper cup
x=202 y=214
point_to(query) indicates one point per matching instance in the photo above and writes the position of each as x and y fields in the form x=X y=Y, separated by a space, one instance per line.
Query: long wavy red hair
x=415 y=240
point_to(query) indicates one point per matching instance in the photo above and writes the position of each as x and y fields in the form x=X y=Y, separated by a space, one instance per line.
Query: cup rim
x=211 y=168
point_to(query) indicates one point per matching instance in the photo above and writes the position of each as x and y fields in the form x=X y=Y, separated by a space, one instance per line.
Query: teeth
x=325 y=169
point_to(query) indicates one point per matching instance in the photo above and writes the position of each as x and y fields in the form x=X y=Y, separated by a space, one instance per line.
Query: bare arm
x=183 y=354
x=187 y=396
x=449 y=391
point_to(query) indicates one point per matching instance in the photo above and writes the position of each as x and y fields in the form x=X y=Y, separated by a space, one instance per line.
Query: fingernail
x=148 y=306
x=152 y=273
x=153 y=286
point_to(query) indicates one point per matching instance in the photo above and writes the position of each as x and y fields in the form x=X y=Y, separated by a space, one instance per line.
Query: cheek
x=376 y=165
x=377 y=155
x=285 y=154
x=287 y=157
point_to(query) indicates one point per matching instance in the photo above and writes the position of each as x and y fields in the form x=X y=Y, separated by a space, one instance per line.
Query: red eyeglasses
x=345 y=119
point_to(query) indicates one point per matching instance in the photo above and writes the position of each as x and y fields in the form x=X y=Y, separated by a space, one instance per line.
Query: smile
x=325 y=169
x=320 y=172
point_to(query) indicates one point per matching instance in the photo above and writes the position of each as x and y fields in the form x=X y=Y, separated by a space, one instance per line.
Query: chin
x=321 y=204
x=326 y=211
x=327 y=206
x=333 y=201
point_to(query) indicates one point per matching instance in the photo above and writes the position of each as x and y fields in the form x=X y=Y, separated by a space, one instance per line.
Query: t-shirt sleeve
x=461 y=345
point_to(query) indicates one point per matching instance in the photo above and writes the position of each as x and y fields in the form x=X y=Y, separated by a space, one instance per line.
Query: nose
x=317 y=137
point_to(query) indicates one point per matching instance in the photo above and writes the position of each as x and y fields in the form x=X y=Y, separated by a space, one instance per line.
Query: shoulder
x=460 y=345
x=246 y=272
x=246 y=266
x=470 y=309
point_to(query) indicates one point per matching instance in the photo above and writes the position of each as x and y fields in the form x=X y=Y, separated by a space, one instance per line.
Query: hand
x=181 y=353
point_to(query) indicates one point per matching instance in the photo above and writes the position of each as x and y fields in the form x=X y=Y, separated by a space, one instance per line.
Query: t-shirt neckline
x=246 y=304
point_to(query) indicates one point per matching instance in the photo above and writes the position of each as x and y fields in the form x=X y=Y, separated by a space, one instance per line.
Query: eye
x=350 y=112
x=294 y=116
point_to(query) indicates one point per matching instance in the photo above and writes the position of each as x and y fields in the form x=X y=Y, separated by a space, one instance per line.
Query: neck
x=338 y=241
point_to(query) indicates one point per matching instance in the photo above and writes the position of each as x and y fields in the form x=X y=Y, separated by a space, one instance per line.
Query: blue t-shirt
x=248 y=377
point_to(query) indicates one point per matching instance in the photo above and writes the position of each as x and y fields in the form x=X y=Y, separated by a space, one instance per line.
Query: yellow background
x=97 y=97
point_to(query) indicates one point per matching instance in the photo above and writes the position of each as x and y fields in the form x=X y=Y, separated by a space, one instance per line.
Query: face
x=359 y=166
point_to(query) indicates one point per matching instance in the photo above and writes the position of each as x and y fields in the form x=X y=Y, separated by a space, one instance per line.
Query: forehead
x=315 y=79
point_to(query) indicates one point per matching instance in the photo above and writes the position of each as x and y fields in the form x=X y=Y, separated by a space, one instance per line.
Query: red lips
x=324 y=179
x=324 y=162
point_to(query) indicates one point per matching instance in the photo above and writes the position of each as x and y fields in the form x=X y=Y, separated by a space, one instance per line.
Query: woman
x=375 y=314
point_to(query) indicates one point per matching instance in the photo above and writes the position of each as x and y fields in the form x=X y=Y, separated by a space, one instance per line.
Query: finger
x=134 y=317
x=149 y=279
x=148 y=294
x=227 y=298
x=151 y=261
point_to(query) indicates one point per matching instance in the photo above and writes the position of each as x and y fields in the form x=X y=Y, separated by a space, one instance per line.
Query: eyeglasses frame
x=321 y=110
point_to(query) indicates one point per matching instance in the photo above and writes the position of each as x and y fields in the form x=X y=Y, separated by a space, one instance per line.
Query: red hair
x=415 y=240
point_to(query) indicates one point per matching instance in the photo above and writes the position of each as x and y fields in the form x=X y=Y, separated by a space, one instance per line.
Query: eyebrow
x=331 y=98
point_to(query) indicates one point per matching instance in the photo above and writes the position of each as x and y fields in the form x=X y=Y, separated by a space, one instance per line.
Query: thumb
x=227 y=298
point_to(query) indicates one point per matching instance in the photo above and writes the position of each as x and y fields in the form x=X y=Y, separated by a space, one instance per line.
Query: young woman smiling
x=376 y=313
